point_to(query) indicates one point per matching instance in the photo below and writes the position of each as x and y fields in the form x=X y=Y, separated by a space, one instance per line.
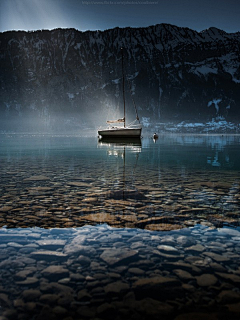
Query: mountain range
x=65 y=79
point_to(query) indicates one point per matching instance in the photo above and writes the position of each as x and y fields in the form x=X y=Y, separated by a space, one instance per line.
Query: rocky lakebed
x=100 y=272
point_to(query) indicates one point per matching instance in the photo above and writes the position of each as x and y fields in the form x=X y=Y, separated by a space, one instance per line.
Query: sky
x=105 y=14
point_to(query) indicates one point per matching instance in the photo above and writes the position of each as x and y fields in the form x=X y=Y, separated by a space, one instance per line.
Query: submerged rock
x=55 y=272
x=206 y=280
x=116 y=287
x=31 y=294
x=118 y=256
x=37 y=178
x=49 y=255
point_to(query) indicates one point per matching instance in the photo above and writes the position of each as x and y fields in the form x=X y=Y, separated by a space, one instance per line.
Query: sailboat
x=131 y=130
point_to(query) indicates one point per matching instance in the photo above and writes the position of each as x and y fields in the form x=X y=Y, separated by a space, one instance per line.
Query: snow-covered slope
x=175 y=74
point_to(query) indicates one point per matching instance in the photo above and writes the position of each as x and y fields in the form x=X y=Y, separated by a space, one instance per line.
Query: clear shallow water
x=70 y=181
x=92 y=229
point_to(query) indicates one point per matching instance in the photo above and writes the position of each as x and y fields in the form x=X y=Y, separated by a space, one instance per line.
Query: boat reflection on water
x=119 y=148
x=127 y=142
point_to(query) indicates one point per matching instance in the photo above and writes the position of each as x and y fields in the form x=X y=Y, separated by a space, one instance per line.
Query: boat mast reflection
x=119 y=148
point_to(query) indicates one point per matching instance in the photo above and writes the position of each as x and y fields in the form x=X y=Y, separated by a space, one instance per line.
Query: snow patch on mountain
x=216 y=125
x=215 y=102
x=204 y=70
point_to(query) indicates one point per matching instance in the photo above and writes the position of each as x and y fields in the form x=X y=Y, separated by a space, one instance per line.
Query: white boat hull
x=121 y=132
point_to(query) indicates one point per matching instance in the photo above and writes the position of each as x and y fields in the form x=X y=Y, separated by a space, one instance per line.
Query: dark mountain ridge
x=68 y=78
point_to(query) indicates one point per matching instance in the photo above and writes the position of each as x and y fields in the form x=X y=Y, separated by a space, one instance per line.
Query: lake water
x=102 y=230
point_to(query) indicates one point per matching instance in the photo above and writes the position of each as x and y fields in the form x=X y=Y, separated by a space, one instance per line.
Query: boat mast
x=123 y=84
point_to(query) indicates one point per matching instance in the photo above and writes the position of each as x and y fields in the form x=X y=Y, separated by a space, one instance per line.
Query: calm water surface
x=92 y=230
